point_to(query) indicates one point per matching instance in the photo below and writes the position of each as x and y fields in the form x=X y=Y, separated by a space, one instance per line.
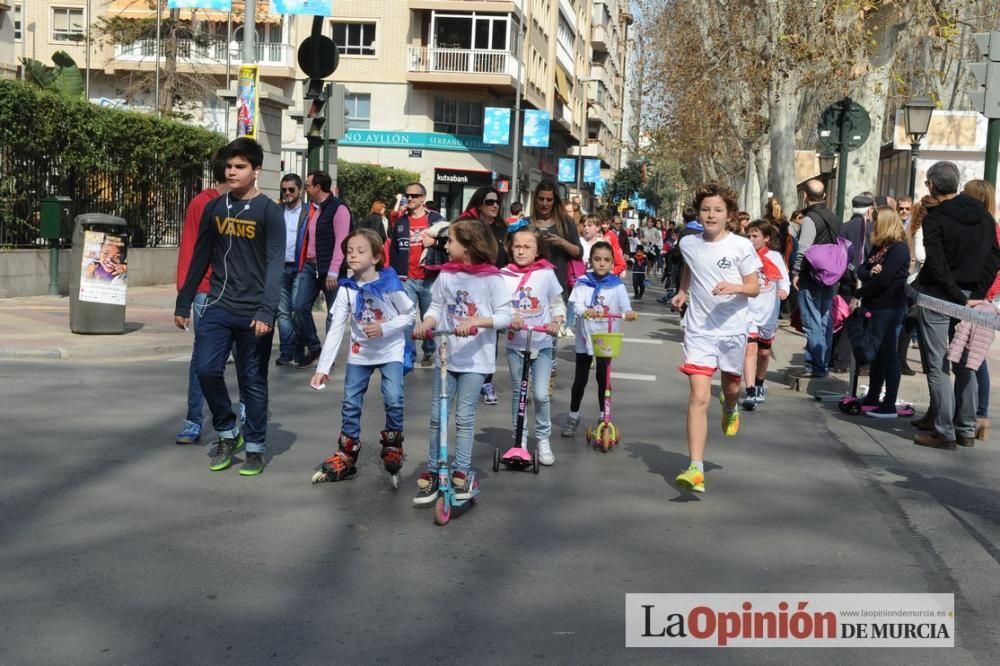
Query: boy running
x=720 y=275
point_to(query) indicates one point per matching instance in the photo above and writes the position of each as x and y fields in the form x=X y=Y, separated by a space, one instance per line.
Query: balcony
x=448 y=67
x=211 y=53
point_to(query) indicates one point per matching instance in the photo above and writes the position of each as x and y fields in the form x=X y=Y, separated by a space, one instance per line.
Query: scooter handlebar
x=610 y=315
x=440 y=334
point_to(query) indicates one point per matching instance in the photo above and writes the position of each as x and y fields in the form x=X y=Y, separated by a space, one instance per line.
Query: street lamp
x=826 y=162
x=916 y=120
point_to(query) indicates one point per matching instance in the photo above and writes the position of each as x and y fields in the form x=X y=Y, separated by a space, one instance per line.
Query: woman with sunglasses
x=548 y=215
x=485 y=207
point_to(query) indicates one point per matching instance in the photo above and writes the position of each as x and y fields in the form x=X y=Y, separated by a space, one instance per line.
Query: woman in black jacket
x=883 y=294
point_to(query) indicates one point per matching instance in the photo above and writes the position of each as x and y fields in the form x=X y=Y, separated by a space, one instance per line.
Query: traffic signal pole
x=992 y=150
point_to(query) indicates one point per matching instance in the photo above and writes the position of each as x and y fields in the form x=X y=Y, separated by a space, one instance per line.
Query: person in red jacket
x=611 y=236
x=191 y=430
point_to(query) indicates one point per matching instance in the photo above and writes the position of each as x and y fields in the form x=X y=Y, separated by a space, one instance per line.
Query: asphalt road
x=117 y=546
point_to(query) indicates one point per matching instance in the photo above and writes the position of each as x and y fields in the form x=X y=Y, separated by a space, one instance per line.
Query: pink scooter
x=518 y=457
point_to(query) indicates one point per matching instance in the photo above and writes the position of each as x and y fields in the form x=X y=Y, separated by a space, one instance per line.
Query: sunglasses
x=289 y=189
x=413 y=195
x=491 y=202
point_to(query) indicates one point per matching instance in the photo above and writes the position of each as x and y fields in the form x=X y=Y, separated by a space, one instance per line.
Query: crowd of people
x=403 y=276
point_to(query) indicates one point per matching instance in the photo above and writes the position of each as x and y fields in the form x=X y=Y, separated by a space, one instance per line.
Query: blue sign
x=411 y=140
x=536 y=129
x=599 y=185
x=591 y=171
x=314 y=7
x=219 y=5
x=567 y=170
x=496 y=126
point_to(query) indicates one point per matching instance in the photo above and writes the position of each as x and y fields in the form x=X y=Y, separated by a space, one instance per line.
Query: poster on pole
x=591 y=171
x=247 y=98
x=218 y=5
x=599 y=187
x=104 y=269
x=496 y=126
x=314 y=7
x=567 y=170
x=536 y=129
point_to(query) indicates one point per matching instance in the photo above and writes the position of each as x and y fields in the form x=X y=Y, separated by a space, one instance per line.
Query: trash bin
x=98 y=274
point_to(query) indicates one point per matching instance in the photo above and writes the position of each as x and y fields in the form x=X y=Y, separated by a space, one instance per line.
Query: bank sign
x=411 y=140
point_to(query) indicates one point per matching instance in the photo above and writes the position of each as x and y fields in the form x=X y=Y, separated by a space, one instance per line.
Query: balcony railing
x=426 y=59
x=213 y=52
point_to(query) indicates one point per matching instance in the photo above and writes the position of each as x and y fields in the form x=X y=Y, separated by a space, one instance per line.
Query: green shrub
x=362 y=184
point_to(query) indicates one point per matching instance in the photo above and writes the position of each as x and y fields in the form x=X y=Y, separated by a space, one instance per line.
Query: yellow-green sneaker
x=730 y=422
x=691 y=479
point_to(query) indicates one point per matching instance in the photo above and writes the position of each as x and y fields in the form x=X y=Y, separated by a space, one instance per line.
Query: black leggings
x=580 y=381
x=639 y=284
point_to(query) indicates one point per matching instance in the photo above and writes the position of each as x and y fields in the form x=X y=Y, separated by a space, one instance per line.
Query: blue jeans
x=305 y=289
x=815 y=307
x=216 y=334
x=419 y=292
x=196 y=399
x=885 y=369
x=463 y=394
x=285 y=321
x=541 y=368
x=356 y=380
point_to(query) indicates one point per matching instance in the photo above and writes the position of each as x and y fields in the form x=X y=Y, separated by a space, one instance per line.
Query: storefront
x=453 y=188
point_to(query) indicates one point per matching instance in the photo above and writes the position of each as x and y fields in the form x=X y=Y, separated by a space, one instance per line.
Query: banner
x=599 y=186
x=104 y=269
x=218 y=5
x=567 y=170
x=591 y=171
x=536 y=129
x=496 y=126
x=314 y=7
x=247 y=98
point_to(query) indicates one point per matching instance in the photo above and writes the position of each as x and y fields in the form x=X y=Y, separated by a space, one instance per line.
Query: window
x=67 y=24
x=357 y=39
x=17 y=23
x=454 y=116
x=358 y=108
x=566 y=34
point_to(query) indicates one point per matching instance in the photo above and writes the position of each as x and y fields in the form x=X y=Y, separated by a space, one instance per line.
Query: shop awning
x=136 y=10
x=562 y=85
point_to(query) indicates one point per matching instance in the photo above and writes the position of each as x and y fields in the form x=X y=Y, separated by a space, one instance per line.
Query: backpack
x=828 y=260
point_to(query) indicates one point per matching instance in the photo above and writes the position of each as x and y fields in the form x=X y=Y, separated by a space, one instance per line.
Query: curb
x=109 y=351
x=58 y=353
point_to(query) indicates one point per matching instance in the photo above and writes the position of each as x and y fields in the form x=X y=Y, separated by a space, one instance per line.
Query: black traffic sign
x=846 y=119
x=318 y=56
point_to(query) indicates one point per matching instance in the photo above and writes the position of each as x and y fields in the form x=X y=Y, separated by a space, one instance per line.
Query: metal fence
x=152 y=202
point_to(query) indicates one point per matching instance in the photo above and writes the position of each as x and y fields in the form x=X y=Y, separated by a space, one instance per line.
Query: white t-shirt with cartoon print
x=614 y=300
x=538 y=300
x=725 y=260
x=456 y=296
x=764 y=307
x=395 y=313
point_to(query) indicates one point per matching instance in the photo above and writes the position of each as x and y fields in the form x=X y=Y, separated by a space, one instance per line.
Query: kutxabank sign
x=411 y=140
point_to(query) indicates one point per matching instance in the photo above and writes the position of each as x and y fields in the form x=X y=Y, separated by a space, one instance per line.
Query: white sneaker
x=545 y=455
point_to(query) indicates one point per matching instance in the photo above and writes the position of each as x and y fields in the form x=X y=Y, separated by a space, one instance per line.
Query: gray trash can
x=98 y=274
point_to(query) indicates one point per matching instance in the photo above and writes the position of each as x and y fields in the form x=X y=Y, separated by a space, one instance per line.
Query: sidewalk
x=38 y=327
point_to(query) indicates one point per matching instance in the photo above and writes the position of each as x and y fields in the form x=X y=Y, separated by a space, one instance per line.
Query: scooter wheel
x=394 y=480
x=534 y=461
x=442 y=511
x=855 y=409
x=606 y=442
x=590 y=435
x=496 y=460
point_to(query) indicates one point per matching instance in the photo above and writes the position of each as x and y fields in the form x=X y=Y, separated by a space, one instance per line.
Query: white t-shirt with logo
x=538 y=300
x=725 y=260
x=456 y=296
x=764 y=307
x=395 y=313
x=614 y=300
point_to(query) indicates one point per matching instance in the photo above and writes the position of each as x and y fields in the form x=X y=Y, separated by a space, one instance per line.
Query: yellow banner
x=247 y=101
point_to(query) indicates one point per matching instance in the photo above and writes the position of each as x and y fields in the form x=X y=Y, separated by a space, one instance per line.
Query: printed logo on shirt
x=369 y=313
x=525 y=304
x=462 y=308
x=234 y=226
x=724 y=263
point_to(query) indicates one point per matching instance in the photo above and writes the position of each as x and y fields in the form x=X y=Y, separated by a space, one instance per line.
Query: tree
x=626 y=182
x=65 y=78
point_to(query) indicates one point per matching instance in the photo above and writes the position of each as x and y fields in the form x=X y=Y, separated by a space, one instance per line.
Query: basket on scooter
x=607 y=345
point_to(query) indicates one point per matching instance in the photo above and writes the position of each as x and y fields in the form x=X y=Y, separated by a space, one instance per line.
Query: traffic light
x=986 y=99
x=314 y=115
x=336 y=110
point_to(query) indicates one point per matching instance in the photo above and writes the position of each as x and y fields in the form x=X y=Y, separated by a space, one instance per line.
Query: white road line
x=645 y=341
x=633 y=377
x=179 y=359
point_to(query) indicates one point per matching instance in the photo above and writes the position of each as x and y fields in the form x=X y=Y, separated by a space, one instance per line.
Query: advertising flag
x=536 y=129
x=218 y=5
x=599 y=186
x=567 y=170
x=496 y=126
x=591 y=171
x=314 y=7
x=247 y=98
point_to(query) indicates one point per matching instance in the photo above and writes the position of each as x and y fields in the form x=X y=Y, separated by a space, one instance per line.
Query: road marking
x=644 y=341
x=179 y=359
x=633 y=377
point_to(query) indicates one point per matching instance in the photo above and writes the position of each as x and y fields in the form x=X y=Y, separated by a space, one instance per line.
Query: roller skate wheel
x=319 y=477
x=590 y=435
x=394 y=480
x=442 y=511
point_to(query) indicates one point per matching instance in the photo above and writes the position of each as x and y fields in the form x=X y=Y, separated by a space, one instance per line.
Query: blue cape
x=387 y=281
x=609 y=281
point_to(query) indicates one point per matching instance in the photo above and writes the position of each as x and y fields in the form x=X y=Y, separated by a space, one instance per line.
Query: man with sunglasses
x=296 y=215
x=407 y=239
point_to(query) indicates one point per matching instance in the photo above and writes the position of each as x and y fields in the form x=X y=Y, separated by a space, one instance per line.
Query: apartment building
x=10 y=26
x=418 y=73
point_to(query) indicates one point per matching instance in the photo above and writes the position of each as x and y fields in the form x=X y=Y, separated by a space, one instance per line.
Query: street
x=121 y=547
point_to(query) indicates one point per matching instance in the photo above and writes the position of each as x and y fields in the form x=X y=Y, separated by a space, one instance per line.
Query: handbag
x=829 y=261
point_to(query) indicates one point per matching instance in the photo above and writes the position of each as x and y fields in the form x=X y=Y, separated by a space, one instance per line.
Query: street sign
x=856 y=126
x=416 y=153
x=318 y=56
